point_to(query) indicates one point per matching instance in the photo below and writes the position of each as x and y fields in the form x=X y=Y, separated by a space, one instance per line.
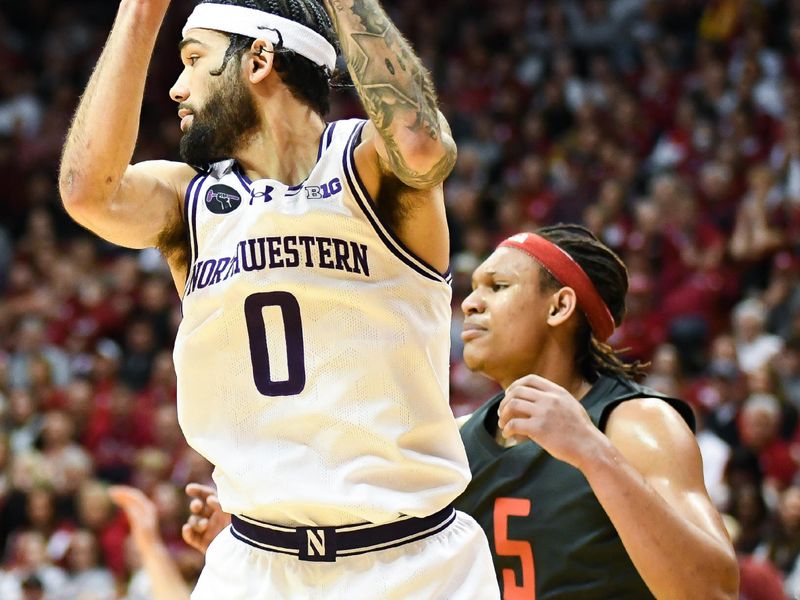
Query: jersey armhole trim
x=679 y=406
x=190 y=217
x=366 y=203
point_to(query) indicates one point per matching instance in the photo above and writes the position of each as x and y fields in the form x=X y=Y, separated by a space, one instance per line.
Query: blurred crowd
x=670 y=128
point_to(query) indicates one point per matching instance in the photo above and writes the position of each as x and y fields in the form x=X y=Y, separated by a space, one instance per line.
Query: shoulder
x=167 y=169
x=344 y=130
x=617 y=392
x=648 y=413
x=652 y=435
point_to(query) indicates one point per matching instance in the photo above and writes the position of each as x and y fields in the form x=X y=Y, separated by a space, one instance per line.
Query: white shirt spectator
x=715 y=453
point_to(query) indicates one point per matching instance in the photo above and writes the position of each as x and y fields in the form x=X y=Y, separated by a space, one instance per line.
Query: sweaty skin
x=646 y=469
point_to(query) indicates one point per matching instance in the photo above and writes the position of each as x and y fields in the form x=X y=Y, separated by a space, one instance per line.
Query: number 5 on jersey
x=259 y=352
x=503 y=509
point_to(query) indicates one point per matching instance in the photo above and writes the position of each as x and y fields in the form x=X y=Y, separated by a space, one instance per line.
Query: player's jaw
x=217 y=129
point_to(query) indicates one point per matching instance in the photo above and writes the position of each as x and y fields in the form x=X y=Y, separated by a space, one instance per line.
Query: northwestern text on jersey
x=281 y=252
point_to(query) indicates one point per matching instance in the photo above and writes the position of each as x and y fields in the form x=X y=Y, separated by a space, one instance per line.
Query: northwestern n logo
x=316 y=542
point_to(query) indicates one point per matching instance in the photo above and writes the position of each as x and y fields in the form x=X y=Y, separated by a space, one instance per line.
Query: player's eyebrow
x=186 y=41
x=482 y=275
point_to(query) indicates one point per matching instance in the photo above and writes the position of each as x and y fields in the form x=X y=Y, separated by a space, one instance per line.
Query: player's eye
x=193 y=59
x=498 y=285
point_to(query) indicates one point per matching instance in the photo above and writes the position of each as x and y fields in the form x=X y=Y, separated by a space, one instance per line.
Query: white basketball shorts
x=253 y=561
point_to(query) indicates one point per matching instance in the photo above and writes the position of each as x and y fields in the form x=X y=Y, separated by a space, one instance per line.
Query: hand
x=141 y=513
x=543 y=411
x=207 y=518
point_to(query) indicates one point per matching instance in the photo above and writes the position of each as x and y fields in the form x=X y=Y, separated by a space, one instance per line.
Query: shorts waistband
x=326 y=544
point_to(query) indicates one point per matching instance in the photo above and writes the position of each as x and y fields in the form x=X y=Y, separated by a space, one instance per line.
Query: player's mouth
x=186 y=118
x=471 y=331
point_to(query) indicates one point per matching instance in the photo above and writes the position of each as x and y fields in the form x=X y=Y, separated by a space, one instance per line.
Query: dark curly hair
x=308 y=81
x=610 y=277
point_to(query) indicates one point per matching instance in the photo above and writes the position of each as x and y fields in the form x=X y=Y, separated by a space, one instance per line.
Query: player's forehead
x=504 y=262
x=204 y=38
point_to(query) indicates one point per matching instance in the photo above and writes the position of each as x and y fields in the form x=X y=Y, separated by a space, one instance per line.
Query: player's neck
x=285 y=147
x=555 y=363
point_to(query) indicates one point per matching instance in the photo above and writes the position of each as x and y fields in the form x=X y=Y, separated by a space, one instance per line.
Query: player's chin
x=473 y=356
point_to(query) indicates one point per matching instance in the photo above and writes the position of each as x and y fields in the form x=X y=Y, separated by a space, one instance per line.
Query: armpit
x=173 y=242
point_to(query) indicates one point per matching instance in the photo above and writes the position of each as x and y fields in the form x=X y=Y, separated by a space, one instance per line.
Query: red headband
x=564 y=268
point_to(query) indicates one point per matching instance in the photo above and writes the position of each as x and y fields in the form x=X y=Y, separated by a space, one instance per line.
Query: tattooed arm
x=413 y=140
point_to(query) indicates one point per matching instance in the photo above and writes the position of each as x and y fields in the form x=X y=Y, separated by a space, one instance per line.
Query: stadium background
x=670 y=128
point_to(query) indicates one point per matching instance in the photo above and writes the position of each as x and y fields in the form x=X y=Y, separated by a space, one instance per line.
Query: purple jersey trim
x=366 y=203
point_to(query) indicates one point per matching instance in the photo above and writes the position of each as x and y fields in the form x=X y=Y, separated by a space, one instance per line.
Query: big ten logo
x=263 y=194
x=324 y=191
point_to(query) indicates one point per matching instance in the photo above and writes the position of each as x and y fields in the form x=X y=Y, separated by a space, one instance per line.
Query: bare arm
x=646 y=473
x=413 y=140
x=165 y=579
x=129 y=205
x=741 y=242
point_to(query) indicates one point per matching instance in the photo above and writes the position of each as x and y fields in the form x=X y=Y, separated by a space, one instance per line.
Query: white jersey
x=312 y=358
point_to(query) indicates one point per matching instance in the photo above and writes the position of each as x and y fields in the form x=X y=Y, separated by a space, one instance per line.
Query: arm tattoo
x=395 y=88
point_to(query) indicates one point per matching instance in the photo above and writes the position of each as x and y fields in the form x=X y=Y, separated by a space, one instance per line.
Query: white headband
x=259 y=24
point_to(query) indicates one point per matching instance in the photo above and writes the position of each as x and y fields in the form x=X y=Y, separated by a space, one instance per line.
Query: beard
x=228 y=118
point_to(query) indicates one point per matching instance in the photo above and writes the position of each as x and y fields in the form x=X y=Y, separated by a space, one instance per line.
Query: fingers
x=536 y=382
x=198 y=490
x=213 y=502
x=197 y=524
x=515 y=408
x=130 y=499
x=197 y=506
x=192 y=538
x=205 y=508
x=518 y=428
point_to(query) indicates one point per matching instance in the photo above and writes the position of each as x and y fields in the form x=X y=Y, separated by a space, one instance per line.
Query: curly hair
x=610 y=277
x=308 y=81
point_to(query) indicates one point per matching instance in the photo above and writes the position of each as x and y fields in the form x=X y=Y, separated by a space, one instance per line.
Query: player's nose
x=179 y=92
x=473 y=304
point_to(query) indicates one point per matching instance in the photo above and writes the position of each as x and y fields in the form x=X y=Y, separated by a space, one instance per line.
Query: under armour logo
x=263 y=194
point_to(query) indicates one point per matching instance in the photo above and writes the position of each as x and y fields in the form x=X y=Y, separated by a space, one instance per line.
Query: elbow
x=715 y=578
x=70 y=190
x=725 y=586
x=729 y=584
x=77 y=200
x=78 y=193
x=72 y=197
x=427 y=164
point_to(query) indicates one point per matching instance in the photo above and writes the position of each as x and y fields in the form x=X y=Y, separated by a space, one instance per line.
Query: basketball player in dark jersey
x=588 y=485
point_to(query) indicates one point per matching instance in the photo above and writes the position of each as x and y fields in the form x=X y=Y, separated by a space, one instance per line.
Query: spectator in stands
x=754 y=346
x=782 y=544
x=759 y=430
x=86 y=575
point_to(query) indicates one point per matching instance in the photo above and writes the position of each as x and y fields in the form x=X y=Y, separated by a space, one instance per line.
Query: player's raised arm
x=413 y=140
x=130 y=206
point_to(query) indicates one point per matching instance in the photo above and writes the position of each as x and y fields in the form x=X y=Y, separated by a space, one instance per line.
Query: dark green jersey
x=546 y=529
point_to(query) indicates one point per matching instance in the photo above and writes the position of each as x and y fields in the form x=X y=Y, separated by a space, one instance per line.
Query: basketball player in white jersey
x=311 y=258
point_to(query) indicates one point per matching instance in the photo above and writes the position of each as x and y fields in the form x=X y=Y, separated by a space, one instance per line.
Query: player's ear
x=563 y=304
x=259 y=60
